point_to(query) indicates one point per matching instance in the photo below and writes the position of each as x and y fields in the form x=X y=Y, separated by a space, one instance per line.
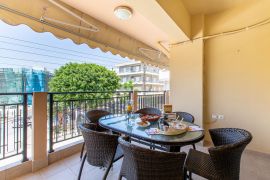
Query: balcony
x=30 y=140
x=219 y=72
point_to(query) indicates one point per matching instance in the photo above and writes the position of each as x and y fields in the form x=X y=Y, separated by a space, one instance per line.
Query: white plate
x=145 y=125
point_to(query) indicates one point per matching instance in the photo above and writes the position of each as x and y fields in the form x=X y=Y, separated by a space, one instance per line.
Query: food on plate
x=143 y=123
x=149 y=117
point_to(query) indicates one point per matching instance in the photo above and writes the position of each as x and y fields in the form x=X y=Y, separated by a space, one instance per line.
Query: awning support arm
x=92 y=27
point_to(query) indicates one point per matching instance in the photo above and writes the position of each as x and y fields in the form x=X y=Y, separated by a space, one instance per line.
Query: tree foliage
x=128 y=85
x=74 y=77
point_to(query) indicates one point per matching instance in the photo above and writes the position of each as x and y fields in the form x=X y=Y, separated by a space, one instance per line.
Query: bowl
x=171 y=131
x=150 y=117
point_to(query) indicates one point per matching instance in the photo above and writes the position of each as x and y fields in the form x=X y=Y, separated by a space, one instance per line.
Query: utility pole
x=144 y=78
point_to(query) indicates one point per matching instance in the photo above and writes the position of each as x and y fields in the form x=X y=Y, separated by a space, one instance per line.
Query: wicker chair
x=92 y=117
x=144 y=164
x=101 y=148
x=188 y=118
x=223 y=160
x=149 y=111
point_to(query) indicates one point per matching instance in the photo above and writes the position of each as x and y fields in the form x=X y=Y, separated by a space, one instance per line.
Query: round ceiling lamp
x=123 y=12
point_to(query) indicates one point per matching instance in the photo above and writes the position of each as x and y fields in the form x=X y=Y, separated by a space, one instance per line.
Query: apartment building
x=144 y=77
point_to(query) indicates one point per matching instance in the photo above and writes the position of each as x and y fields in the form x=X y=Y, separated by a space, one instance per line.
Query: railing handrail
x=84 y=92
x=75 y=92
x=16 y=93
x=68 y=100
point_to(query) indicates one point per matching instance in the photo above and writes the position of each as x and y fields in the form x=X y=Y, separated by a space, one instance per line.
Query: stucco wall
x=237 y=78
x=236 y=73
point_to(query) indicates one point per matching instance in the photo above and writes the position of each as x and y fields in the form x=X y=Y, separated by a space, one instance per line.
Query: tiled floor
x=254 y=166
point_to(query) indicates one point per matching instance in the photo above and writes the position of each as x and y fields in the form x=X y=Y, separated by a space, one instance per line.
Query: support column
x=186 y=73
x=39 y=131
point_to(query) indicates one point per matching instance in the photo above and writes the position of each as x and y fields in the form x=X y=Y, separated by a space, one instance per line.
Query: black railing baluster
x=65 y=119
x=72 y=118
x=24 y=153
x=140 y=102
x=4 y=130
x=159 y=104
x=85 y=109
x=20 y=129
x=164 y=97
x=117 y=105
x=7 y=128
x=14 y=132
x=51 y=123
x=154 y=101
x=56 y=122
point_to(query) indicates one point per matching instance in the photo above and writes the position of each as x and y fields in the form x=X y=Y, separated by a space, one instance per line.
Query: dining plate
x=143 y=124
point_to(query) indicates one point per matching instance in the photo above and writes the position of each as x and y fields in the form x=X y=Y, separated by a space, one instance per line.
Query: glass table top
x=120 y=124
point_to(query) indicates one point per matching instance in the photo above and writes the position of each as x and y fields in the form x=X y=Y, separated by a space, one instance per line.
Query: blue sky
x=20 y=46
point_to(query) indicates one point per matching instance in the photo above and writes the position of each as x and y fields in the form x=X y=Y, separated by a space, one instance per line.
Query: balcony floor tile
x=253 y=166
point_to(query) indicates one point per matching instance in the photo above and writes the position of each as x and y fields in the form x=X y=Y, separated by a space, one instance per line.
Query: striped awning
x=44 y=16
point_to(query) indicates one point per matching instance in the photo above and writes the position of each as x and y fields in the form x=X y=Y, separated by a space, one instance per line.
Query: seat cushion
x=201 y=164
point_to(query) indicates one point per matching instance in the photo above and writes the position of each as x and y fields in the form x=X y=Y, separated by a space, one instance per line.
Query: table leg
x=174 y=148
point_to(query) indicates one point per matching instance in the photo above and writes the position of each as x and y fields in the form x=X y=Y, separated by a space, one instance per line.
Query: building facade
x=17 y=80
x=144 y=78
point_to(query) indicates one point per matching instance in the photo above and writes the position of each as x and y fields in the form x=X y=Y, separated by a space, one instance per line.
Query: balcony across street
x=134 y=90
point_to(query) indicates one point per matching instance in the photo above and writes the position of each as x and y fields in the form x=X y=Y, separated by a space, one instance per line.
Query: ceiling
x=150 y=23
x=210 y=6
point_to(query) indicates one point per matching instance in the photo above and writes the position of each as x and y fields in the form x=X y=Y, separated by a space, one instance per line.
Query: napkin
x=195 y=128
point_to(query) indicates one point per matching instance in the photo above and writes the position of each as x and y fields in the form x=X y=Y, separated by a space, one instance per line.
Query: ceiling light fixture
x=123 y=12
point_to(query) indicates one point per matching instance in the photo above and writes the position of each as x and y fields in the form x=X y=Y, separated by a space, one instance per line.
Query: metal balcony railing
x=152 y=99
x=67 y=110
x=14 y=124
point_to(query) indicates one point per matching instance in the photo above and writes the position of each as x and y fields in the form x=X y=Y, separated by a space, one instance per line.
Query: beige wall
x=236 y=73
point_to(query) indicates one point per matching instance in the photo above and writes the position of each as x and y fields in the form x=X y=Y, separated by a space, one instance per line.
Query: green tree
x=74 y=77
x=128 y=85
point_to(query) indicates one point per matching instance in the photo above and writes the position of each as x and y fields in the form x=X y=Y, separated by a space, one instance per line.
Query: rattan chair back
x=100 y=146
x=186 y=116
x=145 y=164
x=229 y=146
x=94 y=115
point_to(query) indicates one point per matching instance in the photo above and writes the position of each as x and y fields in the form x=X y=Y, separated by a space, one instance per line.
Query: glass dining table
x=173 y=143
